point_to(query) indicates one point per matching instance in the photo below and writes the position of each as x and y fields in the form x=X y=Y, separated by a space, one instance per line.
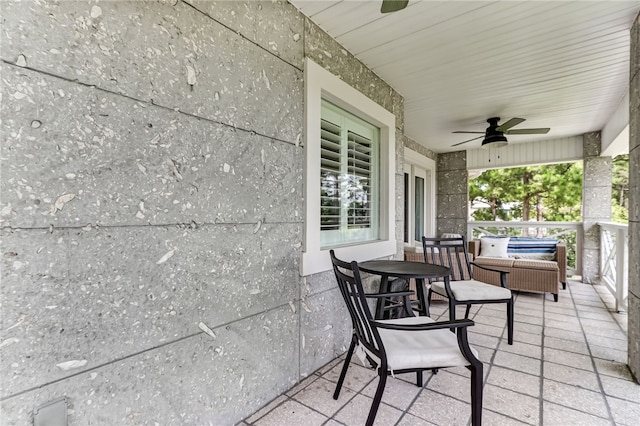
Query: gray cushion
x=472 y=290
x=421 y=349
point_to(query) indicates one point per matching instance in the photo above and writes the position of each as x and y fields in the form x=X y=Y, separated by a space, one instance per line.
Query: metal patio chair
x=461 y=288
x=411 y=344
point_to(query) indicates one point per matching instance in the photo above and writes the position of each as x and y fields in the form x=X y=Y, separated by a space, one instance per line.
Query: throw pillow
x=494 y=246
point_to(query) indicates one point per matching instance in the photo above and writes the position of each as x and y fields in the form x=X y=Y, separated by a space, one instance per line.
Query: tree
x=550 y=192
x=620 y=189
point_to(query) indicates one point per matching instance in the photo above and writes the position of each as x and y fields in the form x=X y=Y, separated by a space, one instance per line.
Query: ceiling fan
x=494 y=134
x=393 y=5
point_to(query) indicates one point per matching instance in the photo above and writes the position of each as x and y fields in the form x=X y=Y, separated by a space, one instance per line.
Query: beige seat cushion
x=421 y=349
x=547 y=265
x=472 y=290
x=495 y=261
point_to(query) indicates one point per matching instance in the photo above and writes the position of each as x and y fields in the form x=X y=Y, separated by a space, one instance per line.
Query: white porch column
x=634 y=203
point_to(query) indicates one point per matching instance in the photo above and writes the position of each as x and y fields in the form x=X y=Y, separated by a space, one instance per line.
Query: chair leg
x=345 y=367
x=466 y=312
x=510 y=321
x=419 y=378
x=476 y=393
x=377 y=398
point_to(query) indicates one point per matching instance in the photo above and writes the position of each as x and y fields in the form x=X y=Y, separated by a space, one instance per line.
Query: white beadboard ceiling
x=558 y=64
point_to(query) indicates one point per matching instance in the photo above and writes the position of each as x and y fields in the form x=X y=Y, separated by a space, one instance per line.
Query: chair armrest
x=462 y=323
x=390 y=294
x=503 y=274
x=561 y=258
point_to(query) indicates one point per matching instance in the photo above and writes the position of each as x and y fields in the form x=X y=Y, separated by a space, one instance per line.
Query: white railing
x=568 y=232
x=614 y=261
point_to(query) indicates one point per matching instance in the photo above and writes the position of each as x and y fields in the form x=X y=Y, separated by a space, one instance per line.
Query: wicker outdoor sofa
x=525 y=273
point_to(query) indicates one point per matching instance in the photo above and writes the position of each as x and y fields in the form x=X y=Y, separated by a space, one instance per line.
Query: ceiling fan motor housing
x=494 y=137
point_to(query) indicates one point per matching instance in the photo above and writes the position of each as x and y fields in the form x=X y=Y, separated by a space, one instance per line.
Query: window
x=349 y=173
x=348 y=178
x=419 y=198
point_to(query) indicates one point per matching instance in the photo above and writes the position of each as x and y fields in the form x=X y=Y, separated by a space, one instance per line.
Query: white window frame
x=321 y=84
x=416 y=164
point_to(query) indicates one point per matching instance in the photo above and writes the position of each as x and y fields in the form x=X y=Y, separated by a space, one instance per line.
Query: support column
x=596 y=203
x=634 y=204
x=452 y=196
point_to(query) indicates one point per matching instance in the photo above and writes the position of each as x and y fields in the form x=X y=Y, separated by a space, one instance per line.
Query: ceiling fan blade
x=393 y=5
x=539 y=131
x=510 y=123
x=463 y=131
x=469 y=140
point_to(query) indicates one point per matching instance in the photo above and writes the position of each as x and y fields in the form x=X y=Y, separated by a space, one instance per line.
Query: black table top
x=403 y=269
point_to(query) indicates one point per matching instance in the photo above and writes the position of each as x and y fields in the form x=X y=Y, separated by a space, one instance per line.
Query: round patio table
x=404 y=269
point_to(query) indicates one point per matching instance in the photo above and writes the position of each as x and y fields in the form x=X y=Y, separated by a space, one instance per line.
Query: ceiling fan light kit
x=495 y=141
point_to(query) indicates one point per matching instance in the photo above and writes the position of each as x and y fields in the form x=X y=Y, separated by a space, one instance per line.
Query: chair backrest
x=449 y=252
x=350 y=284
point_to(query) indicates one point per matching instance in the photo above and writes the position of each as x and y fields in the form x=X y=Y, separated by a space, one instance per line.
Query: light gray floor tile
x=607 y=342
x=512 y=404
x=397 y=393
x=303 y=384
x=608 y=353
x=356 y=379
x=356 y=412
x=410 y=420
x=564 y=334
x=557 y=415
x=478 y=339
x=451 y=384
x=319 y=395
x=267 y=408
x=566 y=345
x=577 y=398
x=532 y=351
x=292 y=413
x=571 y=376
x=528 y=319
x=622 y=389
x=527 y=328
x=514 y=380
x=517 y=362
x=624 y=412
x=568 y=358
x=530 y=338
x=613 y=369
x=440 y=409
x=494 y=419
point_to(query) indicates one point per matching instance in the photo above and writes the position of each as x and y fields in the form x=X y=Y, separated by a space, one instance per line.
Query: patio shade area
x=567 y=366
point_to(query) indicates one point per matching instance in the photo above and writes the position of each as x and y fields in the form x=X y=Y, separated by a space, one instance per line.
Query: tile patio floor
x=566 y=367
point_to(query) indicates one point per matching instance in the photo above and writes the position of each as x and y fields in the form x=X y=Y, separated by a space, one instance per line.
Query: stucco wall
x=152 y=183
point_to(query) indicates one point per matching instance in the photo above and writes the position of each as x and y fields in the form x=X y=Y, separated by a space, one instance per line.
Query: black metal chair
x=403 y=345
x=461 y=288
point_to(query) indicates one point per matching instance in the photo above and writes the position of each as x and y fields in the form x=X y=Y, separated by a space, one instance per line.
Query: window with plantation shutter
x=348 y=178
x=349 y=173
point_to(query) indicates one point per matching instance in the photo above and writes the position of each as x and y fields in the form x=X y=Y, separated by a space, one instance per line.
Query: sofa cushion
x=532 y=248
x=494 y=246
x=547 y=265
x=494 y=261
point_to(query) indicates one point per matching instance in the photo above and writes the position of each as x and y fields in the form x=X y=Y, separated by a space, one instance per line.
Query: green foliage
x=620 y=189
x=542 y=193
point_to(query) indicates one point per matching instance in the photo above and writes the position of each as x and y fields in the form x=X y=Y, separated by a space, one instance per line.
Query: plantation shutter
x=359 y=181
x=330 y=165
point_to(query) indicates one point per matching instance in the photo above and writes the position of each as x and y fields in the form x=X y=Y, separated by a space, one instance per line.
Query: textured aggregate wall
x=596 y=203
x=151 y=201
x=453 y=193
x=634 y=202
